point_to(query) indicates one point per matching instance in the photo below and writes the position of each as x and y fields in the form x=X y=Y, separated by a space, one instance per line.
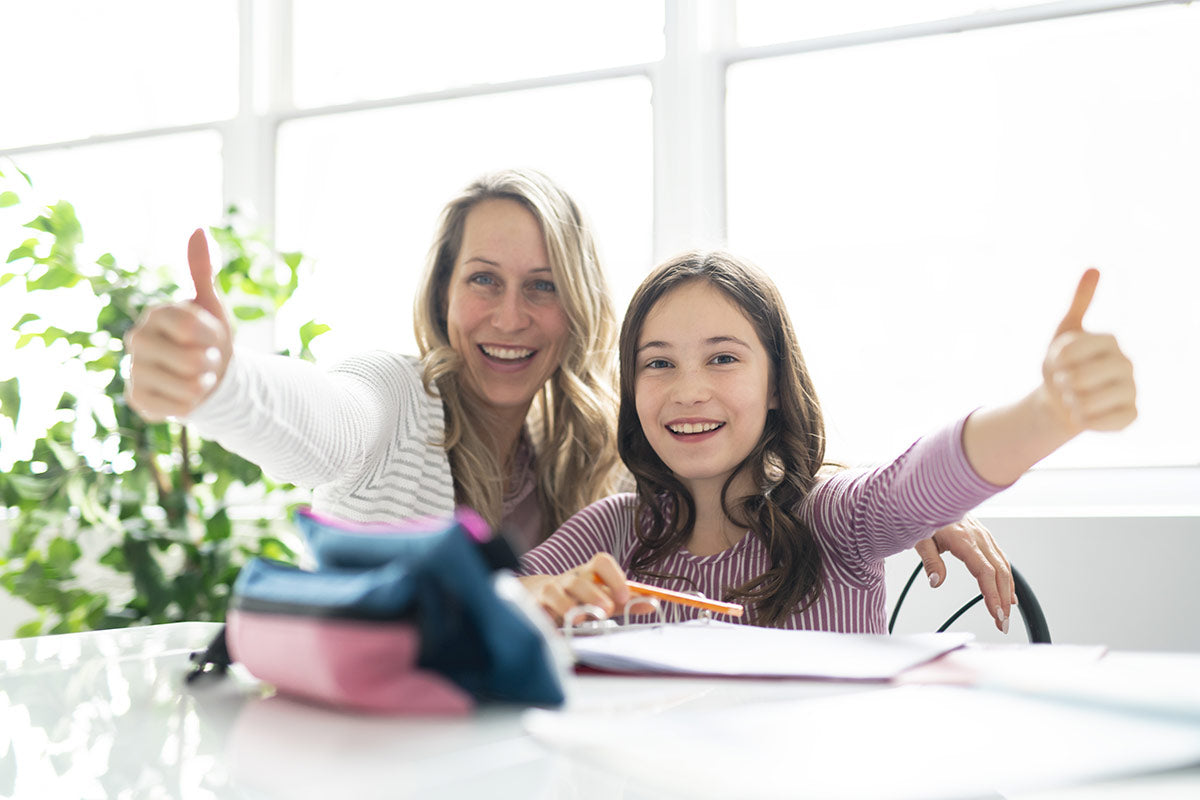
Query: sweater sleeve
x=863 y=516
x=304 y=425
x=606 y=526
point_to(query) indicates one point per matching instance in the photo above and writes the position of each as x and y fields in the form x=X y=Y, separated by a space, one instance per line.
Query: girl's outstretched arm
x=1087 y=384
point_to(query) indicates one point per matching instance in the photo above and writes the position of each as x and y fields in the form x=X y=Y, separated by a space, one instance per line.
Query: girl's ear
x=773 y=399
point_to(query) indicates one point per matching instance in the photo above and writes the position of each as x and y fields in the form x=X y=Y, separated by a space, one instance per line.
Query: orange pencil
x=682 y=598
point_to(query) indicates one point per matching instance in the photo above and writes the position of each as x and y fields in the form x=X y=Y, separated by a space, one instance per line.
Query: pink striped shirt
x=858 y=516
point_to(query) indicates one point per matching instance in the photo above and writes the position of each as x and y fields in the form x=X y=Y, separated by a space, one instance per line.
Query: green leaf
x=65 y=456
x=31 y=628
x=62 y=223
x=218 y=527
x=107 y=260
x=10 y=399
x=247 y=313
x=311 y=330
x=57 y=277
x=30 y=487
x=8 y=199
x=23 y=251
x=61 y=556
x=24 y=319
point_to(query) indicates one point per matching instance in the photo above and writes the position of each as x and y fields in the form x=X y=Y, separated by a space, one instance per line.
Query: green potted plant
x=106 y=499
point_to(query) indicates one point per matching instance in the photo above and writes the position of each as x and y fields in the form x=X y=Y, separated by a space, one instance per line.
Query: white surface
x=107 y=714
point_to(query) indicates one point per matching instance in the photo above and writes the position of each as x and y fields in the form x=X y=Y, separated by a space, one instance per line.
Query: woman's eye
x=543 y=286
x=725 y=359
x=482 y=279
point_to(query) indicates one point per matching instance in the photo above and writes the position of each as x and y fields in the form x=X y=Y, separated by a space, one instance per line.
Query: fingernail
x=208 y=380
x=934 y=579
x=213 y=355
x=1004 y=626
x=1000 y=614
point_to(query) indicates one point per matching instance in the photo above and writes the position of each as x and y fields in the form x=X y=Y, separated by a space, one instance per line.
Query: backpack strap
x=214 y=660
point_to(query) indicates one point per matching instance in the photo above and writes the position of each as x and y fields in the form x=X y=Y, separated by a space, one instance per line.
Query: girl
x=721 y=428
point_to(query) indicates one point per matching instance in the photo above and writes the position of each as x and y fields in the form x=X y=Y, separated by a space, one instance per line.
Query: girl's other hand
x=180 y=352
x=558 y=594
x=1088 y=380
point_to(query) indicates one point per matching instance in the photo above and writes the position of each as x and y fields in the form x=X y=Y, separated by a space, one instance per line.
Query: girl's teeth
x=698 y=427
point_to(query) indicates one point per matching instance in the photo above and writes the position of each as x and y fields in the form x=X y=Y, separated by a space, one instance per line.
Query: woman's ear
x=773 y=397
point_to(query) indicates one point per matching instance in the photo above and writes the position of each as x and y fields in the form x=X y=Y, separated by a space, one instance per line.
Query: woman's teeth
x=506 y=353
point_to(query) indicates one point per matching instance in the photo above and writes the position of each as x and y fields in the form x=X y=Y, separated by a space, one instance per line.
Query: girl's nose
x=690 y=387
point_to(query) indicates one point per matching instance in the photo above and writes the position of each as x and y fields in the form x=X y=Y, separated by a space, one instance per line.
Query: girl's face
x=702 y=384
x=503 y=313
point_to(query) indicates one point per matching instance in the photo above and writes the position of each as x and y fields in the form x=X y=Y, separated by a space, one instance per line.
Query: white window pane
x=139 y=199
x=78 y=68
x=928 y=205
x=361 y=49
x=361 y=193
x=772 y=21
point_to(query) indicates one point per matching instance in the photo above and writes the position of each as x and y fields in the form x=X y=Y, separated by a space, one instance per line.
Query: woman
x=510 y=408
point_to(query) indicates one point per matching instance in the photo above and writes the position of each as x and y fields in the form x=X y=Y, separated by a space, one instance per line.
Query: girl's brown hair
x=783 y=464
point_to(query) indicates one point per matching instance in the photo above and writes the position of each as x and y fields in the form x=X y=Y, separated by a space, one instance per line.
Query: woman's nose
x=510 y=313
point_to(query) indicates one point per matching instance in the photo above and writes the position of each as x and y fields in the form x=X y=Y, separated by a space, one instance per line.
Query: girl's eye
x=725 y=358
x=657 y=363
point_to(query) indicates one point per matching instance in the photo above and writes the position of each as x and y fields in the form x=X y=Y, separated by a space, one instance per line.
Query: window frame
x=688 y=86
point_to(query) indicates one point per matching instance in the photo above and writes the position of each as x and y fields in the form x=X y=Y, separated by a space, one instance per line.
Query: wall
x=1126 y=582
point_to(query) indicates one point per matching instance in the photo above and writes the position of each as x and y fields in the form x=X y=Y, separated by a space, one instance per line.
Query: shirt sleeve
x=862 y=516
x=603 y=527
x=305 y=425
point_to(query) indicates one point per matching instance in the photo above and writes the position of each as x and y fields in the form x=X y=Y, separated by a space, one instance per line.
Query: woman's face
x=503 y=313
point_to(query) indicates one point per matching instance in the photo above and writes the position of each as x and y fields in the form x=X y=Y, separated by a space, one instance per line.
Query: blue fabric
x=431 y=574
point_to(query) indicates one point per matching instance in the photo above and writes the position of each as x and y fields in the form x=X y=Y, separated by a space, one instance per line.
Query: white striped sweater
x=858 y=517
x=364 y=435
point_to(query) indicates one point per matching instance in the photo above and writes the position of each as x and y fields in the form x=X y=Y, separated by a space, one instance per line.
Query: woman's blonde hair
x=573 y=418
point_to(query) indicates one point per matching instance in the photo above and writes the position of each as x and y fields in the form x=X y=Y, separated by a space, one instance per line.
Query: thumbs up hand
x=180 y=352
x=1087 y=380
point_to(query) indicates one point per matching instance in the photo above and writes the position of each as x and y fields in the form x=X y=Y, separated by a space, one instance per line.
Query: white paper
x=718 y=648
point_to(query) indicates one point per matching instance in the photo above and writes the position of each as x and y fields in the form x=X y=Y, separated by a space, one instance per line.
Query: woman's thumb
x=202 y=274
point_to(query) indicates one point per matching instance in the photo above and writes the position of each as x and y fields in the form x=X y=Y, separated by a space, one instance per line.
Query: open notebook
x=705 y=647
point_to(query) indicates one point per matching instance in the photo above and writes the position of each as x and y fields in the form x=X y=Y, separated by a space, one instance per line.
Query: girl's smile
x=702 y=384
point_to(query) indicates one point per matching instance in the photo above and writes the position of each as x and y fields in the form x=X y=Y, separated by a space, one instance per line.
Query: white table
x=107 y=714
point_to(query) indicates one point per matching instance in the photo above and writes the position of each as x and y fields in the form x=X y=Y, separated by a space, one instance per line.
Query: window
x=928 y=204
x=400 y=165
x=925 y=180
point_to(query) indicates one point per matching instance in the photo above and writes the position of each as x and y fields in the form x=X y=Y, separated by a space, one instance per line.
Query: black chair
x=1027 y=603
